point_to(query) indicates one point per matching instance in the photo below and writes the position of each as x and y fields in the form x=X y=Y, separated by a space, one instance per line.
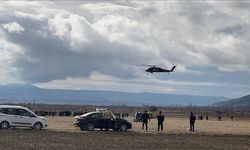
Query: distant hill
x=238 y=102
x=29 y=94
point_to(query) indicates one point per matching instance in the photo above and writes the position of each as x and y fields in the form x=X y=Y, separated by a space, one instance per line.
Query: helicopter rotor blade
x=147 y=65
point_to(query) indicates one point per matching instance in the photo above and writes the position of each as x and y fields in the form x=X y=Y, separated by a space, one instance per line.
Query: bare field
x=62 y=135
x=178 y=125
x=59 y=140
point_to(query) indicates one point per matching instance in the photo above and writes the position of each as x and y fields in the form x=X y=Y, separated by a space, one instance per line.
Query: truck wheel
x=90 y=127
x=123 y=127
x=82 y=128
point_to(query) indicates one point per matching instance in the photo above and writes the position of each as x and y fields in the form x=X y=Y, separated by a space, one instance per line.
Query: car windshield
x=114 y=117
x=30 y=113
x=89 y=113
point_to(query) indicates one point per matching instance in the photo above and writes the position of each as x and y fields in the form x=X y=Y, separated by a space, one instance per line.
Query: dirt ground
x=101 y=140
x=62 y=135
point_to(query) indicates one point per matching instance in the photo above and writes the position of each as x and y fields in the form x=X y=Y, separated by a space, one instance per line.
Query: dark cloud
x=48 y=57
x=149 y=11
x=236 y=30
x=62 y=42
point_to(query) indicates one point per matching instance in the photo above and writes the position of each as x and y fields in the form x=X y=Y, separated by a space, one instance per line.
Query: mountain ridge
x=30 y=93
x=243 y=101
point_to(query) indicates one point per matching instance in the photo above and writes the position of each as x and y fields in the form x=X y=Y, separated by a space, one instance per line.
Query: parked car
x=137 y=117
x=92 y=120
x=18 y=116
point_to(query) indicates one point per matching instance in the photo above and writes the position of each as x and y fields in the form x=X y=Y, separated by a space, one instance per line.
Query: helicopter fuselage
x=158 y=69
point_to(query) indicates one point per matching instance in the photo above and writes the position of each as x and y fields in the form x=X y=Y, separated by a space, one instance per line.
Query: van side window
x=5 y=110
x=21 y=112
x=9 y=111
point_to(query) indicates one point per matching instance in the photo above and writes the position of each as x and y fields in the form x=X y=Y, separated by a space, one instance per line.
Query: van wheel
x=38 y=126
x=123 y=127
x=4 y=125
x=90 y=127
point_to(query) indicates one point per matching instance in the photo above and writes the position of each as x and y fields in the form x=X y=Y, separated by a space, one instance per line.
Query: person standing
x=108 y=116
x=145 y=118
x=192 y=121
x=160 y=118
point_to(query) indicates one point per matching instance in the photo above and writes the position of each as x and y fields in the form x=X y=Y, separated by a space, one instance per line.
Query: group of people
x=108 y=116
x=145 y=118
x=160 y=119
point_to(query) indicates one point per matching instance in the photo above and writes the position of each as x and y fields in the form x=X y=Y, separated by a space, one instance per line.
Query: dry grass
x=47 y=139
x=62 y=135
x=174 y=125
x=181 y=125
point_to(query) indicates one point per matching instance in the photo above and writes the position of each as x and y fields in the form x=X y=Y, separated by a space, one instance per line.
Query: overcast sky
x=101 y=45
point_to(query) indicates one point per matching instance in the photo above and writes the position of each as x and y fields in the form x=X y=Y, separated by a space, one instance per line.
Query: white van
x=18 y=116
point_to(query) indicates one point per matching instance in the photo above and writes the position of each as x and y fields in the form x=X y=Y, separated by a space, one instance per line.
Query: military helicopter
x=153 y=69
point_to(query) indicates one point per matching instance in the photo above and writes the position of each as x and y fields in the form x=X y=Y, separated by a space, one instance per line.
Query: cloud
x=22 y=4
x=13 y=27
x=58 y=42
x=236 y=30
x=71 y=28
x=104 y=8
x=102 y=82
x=67 y=45
x=8 y=71
x=31 y=16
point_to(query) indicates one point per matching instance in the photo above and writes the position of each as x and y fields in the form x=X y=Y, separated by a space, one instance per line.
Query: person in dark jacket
x=192 y=121
x=145 y=118
x=160 y=118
